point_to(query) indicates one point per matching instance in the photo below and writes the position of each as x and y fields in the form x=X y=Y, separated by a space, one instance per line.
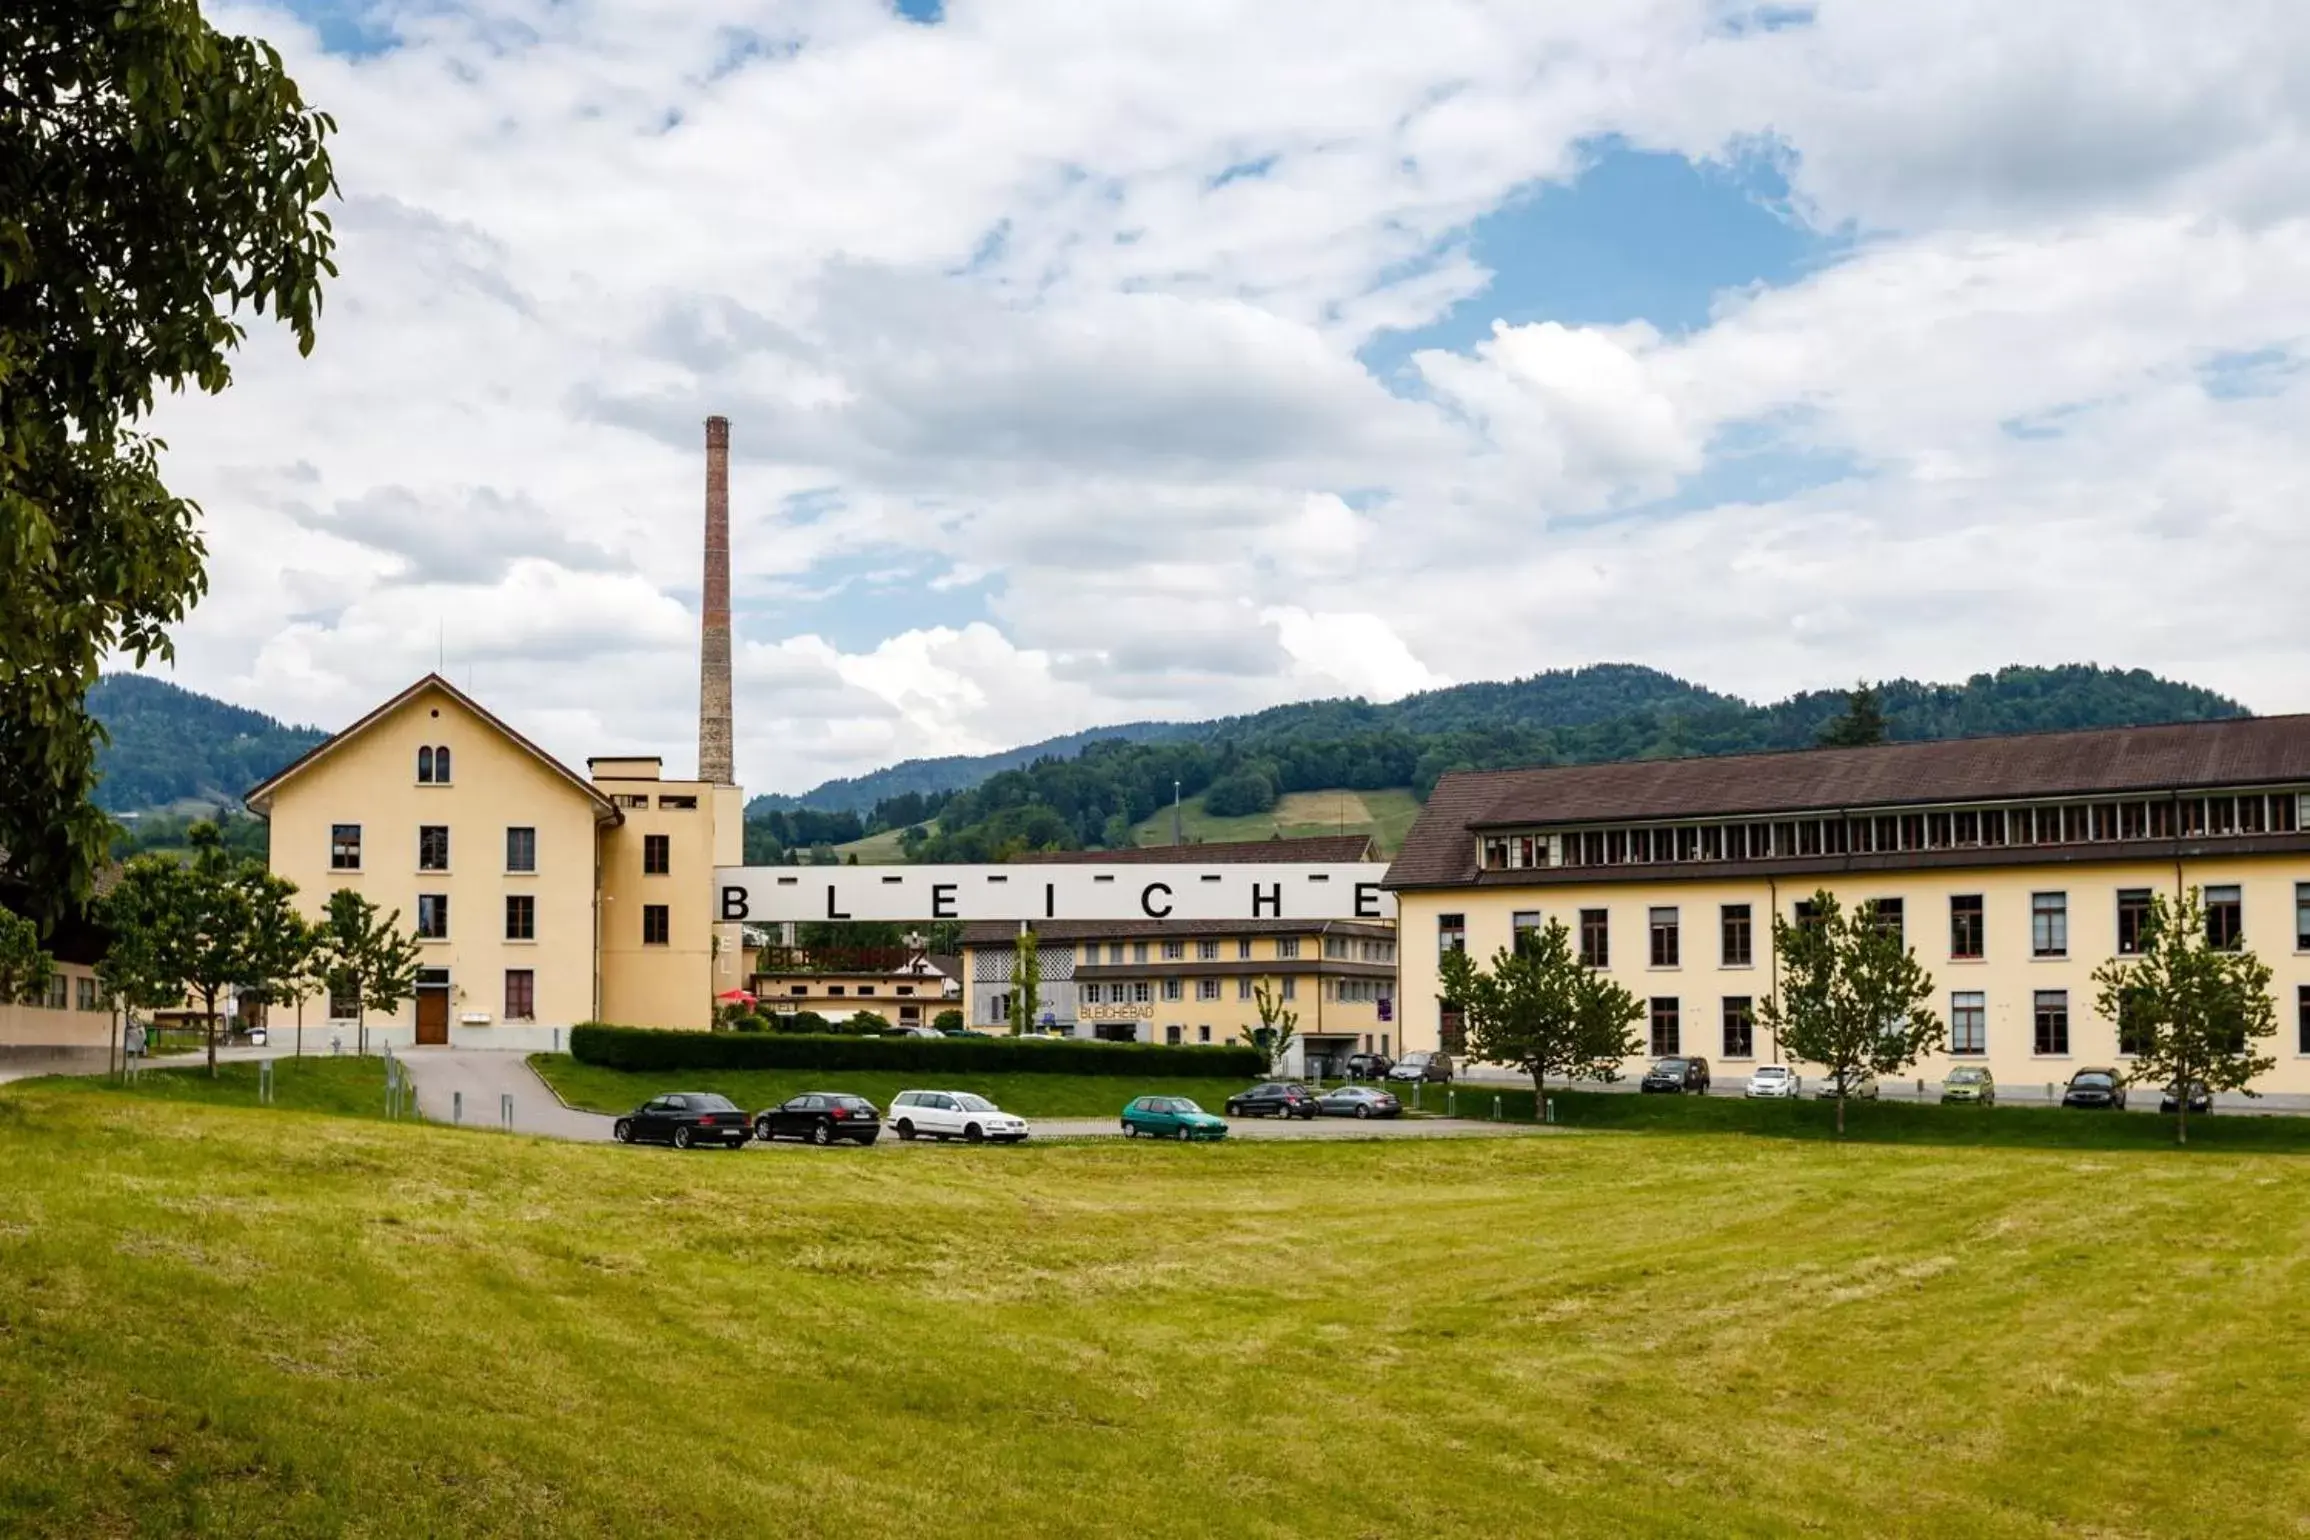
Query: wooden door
x=433 y=1016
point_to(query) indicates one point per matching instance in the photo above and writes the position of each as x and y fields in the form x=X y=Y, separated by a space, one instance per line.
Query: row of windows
x=520 y=849
x=1968 y=926
x=836 y=991
x=2072 y=823
x=520 y=995
x=68 y=992
x=1142 y=991
x=667 y=803
x=1287 y=949
x=521 y=919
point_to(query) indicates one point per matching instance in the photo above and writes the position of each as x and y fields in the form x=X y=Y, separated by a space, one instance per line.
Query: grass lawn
x=1385 y=815
x=881 y=849
x=347 y=1087
x=596 y=1089
x=247 y=1322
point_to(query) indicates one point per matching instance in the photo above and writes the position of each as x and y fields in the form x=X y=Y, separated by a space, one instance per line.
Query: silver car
x=1860 y=1085
x=1776 y=1082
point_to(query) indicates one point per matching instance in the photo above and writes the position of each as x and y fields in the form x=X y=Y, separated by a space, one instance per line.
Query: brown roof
x=2242 y=751
x=605 y=810
x=1312 y=849
x=1004 y=932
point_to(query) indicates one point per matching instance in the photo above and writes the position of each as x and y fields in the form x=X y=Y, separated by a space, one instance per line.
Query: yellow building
x=2015 y=866
x=540 y=898
x=1196 y=982
x=905 y=990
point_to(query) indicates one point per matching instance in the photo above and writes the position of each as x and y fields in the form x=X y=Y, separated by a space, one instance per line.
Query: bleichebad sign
x=1130 y=891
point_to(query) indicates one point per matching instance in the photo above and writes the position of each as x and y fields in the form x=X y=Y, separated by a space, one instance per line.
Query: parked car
x=683 y=1119
x=2099 y=1089
x=953 y=1115
x=1171 y=1117
x=2201 y=1099
x=1969 y=1083
x=1422 y=1064
x=822 y=1117
x=1369 y=1066
x=912 y=1032
x=1860 y=1085
x=1273 y=1099
x=1676 y=1076
x=1359 y=1101
x=1775 y=1082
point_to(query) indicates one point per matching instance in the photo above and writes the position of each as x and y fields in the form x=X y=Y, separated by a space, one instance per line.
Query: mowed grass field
x=1385 y=815
x=247 y=1322
x=593 y=1088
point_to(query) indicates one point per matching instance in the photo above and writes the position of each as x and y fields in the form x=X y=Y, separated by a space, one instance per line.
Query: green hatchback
x=1171 y=1117
x=1969 y=1083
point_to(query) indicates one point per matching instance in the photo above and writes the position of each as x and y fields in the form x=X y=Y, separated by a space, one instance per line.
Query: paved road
x=485 y=1075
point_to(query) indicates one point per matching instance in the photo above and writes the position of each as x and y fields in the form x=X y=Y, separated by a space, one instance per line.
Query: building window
x=657 y=926
x=1595 y=938
x=1090 y=994
x=1451 y=1028
x=1739 y=940
x=1207 y=951
x=1968 y=937
x=629 y=799
x=1451 y=934
x=2225 y=919
x=2052 y=1013
x=344 y=847
x=2302 y=1018
x=343 y=1006
x=1291 y=989
x=1523 y=931
x=1173 y=989
x=432 y=916
x=1174 y=951
x=1203 y=1034
x=1664 y=942
x=520 y=917
x=2302 y=916
x=1968 y=1022
x=520 y=994
x=84 y=997
x=678 y=804
x=433 y=766
x=2133 y=921
x=1171 y=1036
x=838 y=990
x=1142 y=993
x=1338 y=947
x=1138 y=951
x=521 y=849
x=1666 y=1035
x=1288 y=946
x=2132 y=1040
x=2049 y=925
x=1243 y=949
x=1887 y=914
x=657 y=854
x=433 y=847
x=1244 y=989
x=1740 y=1028
x=1207 y=989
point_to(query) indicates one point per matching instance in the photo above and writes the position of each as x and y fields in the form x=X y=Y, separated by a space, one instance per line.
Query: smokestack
x=715 y=764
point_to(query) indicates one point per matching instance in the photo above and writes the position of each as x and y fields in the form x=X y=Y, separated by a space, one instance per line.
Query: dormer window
x=433 y=765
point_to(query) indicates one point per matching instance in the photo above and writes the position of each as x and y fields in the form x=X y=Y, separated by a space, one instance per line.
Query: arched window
x=425 y=765
x=441 y=764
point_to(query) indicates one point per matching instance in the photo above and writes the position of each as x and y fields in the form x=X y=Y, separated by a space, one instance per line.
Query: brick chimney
x=715 y=759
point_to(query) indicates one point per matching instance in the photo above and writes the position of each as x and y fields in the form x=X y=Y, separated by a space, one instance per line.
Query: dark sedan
x=1358 y=1101
x=1675 y=1077
x=2201 y=1099
x=2100 y=1089
x=1369 y=1066
x=822 y=1117
x=683 y=1119
x=1276 y=1098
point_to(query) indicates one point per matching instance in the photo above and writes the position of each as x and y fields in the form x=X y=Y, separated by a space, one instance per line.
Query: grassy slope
x=238 y=1322
x=879 y=849
x=1035 y=1096
x=347 y=1087
x=1386 y=815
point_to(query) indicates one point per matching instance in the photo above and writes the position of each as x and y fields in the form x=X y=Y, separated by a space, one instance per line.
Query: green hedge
x=641 y=1048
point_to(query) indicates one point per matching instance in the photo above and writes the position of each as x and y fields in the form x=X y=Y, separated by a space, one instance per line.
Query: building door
x=433 y=1013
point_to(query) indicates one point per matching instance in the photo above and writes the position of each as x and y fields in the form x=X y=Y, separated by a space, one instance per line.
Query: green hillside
x=172 y=746
x=1385 y=814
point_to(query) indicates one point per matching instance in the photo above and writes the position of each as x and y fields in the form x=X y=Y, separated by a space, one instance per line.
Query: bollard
x=1495 y=1109
x=1417 y=1087
x=505 y=1110
x=265 y=1081
x=1549 y=1106
x=457 y=1106
x=1451 y=1104
x=557 y=1040
x=1920 y=1087
x=2049 y=1090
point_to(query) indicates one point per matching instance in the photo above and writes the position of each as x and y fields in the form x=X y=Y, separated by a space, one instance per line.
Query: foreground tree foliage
x=2189 y=1010
x=155 y=177
x=1850 y=996
x=1539 y=1008
x=1278 y=1025
x=24 y=968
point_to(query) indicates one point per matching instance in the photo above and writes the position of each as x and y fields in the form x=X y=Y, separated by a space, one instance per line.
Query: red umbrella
x=734 y=997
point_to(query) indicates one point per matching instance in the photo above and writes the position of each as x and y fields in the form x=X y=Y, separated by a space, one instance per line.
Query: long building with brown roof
x=2015 y=865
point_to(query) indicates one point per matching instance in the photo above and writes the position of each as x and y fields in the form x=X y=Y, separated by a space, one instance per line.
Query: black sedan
x=1276 y=1098
x=822 y=1117
x=2201 y=1099
x=2099 y=1089
x=1675 y=1077
x=1358 y=1101
x=683 y=1119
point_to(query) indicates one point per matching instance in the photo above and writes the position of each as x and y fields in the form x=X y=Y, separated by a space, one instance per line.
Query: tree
x=2189 y=1010
x=155 y=177
x=24 y=967
x=1862 y=724
x=1278 y=1025
x=281 y=943
x=136 y=971
x=1026 y=983
x=1850 y=995
x=372 y=960
x=949 y=1021
x=1540 y=1009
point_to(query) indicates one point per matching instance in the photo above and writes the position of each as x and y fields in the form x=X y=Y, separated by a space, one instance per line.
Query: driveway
x=485 y=1076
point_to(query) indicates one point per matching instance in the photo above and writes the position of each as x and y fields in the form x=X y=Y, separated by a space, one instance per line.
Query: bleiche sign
x=1135 y=891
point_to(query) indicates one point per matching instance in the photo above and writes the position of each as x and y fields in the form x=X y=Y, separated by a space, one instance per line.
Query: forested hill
x=1241 y=765
x=171 y=745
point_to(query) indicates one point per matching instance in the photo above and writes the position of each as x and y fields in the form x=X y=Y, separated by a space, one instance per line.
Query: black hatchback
x=2101 y=1089
x=1676 y=1076
x=683 y=1119
x=822 y=1117
x=1274 y=1099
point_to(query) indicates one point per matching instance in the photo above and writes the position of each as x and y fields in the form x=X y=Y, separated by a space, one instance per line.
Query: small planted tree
x=367 y=958
x=2189 y=1010
x=1278 y=1025
x=949 y=1021
x=281 y=944
x=1850 y=996
x=1539 y=1008
x=1026 y=983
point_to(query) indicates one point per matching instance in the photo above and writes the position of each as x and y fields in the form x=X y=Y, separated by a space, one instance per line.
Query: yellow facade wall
x=2009 y=976
x=671 y=983
x=369 y=779
x=67 y=1015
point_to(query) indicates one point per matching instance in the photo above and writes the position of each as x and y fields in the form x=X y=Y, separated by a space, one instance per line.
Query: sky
x=1098 y=363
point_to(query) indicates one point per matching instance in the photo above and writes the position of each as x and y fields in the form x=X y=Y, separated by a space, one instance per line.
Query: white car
x=1775 y=1080
x=952 y=1115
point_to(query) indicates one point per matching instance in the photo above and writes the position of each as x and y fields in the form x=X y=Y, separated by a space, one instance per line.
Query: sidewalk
x=484 y=1076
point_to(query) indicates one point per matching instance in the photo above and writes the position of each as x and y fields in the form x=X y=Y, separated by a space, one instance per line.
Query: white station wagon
x=952 y=1115
x=1774 y=1080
